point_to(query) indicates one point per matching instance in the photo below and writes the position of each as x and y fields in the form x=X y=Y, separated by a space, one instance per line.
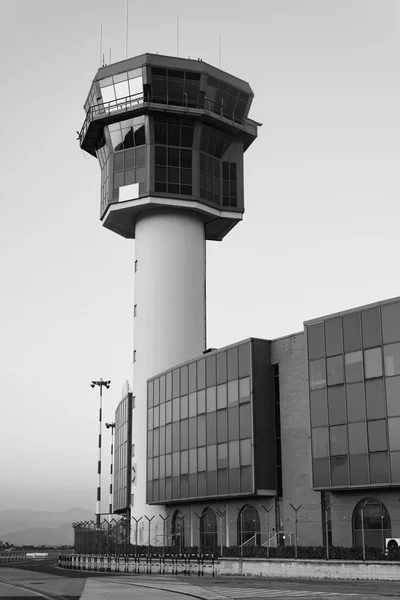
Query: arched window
x=208 y=529
x=248 y=526
x=377 y=525
x=178 y=530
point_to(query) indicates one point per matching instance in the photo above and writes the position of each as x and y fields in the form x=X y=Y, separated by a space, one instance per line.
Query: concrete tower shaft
x=169 y=325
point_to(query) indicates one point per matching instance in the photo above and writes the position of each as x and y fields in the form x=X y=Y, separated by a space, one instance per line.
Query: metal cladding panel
x=263 y=417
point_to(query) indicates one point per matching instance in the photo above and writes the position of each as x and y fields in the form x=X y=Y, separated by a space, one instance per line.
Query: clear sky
x=320 y=233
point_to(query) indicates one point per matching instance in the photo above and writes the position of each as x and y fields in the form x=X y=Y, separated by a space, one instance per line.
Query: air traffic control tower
x=169 y=134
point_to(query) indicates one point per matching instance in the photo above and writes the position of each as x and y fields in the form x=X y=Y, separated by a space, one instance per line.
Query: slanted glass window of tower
x=226 y=100
x=173 y=155
x=218 y=175
x=121 y=92
x=172 y=86
x=128 y=141
x=103 y=155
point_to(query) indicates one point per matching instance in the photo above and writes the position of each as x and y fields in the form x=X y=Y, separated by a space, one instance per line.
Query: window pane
x=353 y=367
x=373 y=362
x=222 y=456
x=315 y=340
x=192 y=432
x=391 y=323
x=355 y=402
x=392 y=359
x=193 y=461
x=211 y=483
x=222 y=426
x=234 y=455
x=333 y=336
x=233 y=394
x=340 y=470
x=244 y=360
x=245 y=452
x=212 y=457
x=334 y=367
x=371 y=328
x=352 y=332
x=233 y=363
x=221 y=367
x=201 y=402
x=245 y=421
x=377 y=435
x=358 y=438
x=201 y=430
x=246 y=482
x=201 y=374
x=175 y=409
x=321 y=472
x=394 y=434
x=211 y=399
x=184 y=380
x=175 y=464
x=244 y=389
x=395 y=466
x=338 y=440
x=317 y=374
x=184 y=434
x=192 y=377
x=375 y=399
x=359 y=470
x=184 y=407
x=320 y=442
x=201 y=459
x=211 y=428
x=233 y=423
x=211 y=375
x=168 y=465
x=319 y=408
x=379 y=467
x=168 y=412
x=222 y=396
x=393 y=396
x=192 y=404
x=234 y=481
x=175 y=383
x=222 y=481
x=336 y=405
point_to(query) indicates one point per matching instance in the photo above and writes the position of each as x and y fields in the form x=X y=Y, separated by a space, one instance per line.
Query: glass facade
x=354 y=368
x=173 y=154
x=200 y=428
x=122 y=455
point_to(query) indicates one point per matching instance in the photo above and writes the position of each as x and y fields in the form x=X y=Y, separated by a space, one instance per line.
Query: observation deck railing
x=128 y=103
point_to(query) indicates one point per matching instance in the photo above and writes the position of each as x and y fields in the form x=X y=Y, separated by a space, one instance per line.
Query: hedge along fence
x=311 y=553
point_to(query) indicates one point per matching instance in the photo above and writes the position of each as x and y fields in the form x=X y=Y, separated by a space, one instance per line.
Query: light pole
x=112 y=427
x=100 y=383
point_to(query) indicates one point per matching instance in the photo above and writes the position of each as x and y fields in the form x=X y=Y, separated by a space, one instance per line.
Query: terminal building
x=261 y=439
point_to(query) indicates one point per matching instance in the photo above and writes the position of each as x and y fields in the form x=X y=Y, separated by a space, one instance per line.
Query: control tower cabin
x=169 y=134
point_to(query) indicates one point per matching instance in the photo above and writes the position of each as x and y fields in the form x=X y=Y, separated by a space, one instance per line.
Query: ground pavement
x=44 y=580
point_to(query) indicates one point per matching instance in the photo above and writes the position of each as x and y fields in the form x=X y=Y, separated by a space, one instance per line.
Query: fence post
x=165 y=519
x=136 y=532
x=362 y=528
x=267 y=510
x=181 y=518
x=295 y=523
x=199 y=518
x=221 y=514
x=327 y=529
x=149 y=520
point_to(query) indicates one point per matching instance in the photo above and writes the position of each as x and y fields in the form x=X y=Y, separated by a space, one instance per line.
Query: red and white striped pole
x=111 y=426
x=106 y=384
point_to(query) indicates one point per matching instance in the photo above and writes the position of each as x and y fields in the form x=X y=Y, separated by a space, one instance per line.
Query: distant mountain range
x=22 y=527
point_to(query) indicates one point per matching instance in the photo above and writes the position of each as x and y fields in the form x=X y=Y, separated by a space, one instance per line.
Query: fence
x=13 y=558
x=161 y=564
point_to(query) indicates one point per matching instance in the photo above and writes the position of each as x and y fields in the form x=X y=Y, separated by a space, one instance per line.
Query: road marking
x=233 y=593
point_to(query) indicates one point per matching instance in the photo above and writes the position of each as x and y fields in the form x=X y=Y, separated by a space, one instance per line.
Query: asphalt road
x=44 y=580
